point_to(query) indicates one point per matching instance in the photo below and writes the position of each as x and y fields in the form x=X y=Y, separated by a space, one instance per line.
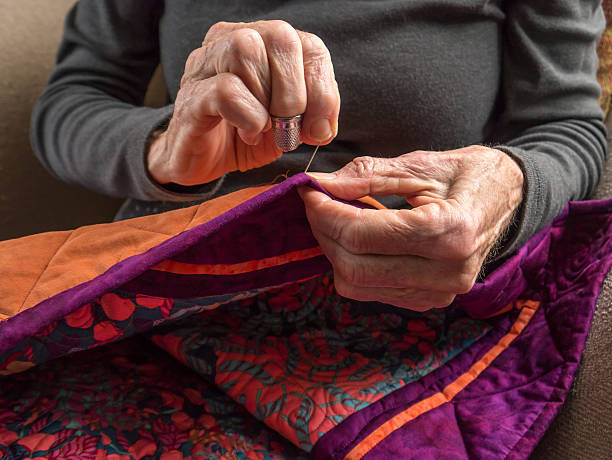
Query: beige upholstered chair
x=31 y=199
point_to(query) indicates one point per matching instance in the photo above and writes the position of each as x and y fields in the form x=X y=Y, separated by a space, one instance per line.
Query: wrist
x=515 y=179
x=156 y=156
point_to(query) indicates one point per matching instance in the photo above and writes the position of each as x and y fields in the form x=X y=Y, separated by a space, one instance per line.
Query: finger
x=220 y=29
x=320 y=124
x=397 y=271
x=264 y=152
x=205 y=102
x=283 y=46
x=409 y=298
x=240 y=51
x=401 y=175
x=357 y=230
x=285 y=58
x=434 y=231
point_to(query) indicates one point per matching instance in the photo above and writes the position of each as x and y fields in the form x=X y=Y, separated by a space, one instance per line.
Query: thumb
x=374 y=177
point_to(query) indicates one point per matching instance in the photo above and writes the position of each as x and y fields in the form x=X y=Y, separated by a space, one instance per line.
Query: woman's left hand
x=416 y=258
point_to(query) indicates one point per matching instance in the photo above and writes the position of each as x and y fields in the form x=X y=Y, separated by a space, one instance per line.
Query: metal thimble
x=287 y=131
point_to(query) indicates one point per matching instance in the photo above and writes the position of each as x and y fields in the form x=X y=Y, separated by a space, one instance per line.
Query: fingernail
x=320 y=176
x=320 y=130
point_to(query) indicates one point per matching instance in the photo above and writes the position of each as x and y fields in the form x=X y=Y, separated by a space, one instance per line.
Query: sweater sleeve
x=89 y=126
x=552 y=122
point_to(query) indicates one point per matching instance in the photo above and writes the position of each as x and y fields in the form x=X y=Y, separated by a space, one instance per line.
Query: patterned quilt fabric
x=200 y=348
x=124 y=401
x=299 y=358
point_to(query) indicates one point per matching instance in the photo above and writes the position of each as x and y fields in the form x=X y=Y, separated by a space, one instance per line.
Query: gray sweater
x=413 y=74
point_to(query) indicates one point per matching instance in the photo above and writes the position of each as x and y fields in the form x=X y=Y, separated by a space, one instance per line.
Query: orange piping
x=182 y=268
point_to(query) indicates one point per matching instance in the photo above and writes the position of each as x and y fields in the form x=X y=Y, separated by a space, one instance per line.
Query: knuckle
x=364 y=166
x=455 y=232
x=293 y=102
x=192 y=65
x=466 y=235
x=430 y=222
x=467 y=226
x=193 y=56
x=460 y=250
x=228 y=86
x=282 y=34
x=216 y=29
x=315 y=51
x=461 y=277
x=246 y=44
x=329 y=99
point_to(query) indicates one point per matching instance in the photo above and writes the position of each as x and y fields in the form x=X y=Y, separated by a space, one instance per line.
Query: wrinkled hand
x=416 y=258
x=242 y=74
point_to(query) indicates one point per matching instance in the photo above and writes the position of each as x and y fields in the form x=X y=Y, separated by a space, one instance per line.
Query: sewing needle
x=312 y=157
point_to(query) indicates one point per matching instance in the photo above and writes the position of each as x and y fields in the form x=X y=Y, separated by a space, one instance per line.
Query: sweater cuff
x=528 y=217
x=146 y=187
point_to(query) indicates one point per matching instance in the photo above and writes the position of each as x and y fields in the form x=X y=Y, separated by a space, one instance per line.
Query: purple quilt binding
x=507 y=409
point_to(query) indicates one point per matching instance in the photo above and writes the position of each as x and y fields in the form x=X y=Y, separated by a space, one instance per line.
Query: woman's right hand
x=243 y=74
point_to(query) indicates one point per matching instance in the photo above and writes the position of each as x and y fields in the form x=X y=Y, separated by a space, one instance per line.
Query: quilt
x=215 y=332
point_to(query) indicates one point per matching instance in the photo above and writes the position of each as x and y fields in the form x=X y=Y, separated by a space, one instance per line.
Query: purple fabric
x=265 y=232
x=505 y=411
x=436 y=428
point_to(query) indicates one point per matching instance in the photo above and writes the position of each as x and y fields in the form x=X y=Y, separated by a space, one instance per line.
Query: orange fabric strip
x=181 y=268
x=528 y=308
